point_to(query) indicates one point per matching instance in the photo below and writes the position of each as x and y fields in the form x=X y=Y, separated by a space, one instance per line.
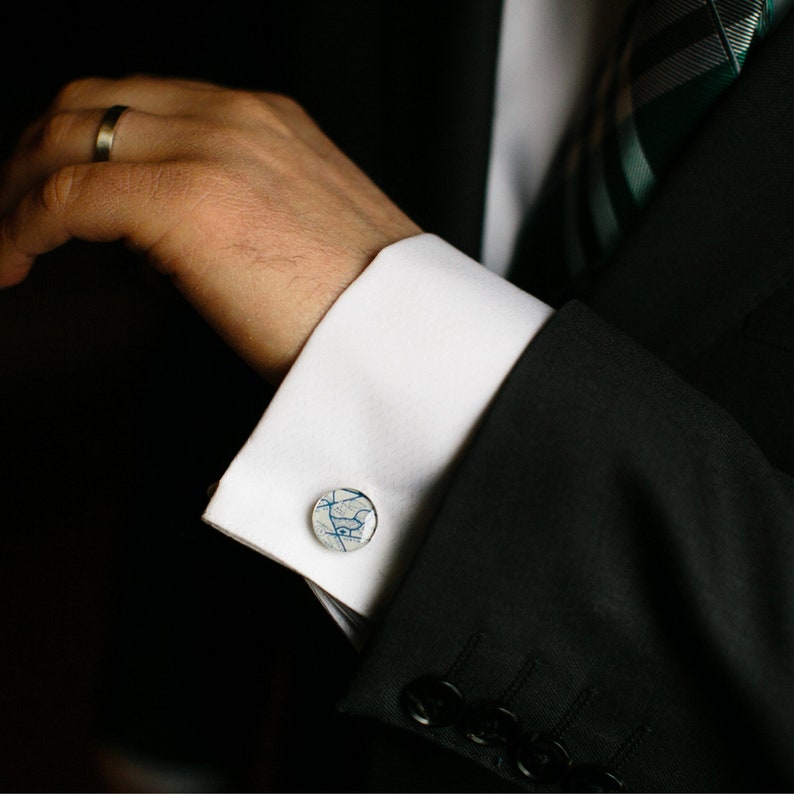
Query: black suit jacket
x=622 y=528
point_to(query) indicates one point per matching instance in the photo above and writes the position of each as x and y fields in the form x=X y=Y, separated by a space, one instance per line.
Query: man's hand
x=238 y=197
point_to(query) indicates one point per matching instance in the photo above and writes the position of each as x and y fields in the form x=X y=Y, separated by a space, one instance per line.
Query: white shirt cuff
x=382 y=399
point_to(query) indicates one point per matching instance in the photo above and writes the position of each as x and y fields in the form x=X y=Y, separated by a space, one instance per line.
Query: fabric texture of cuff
x=382 y=399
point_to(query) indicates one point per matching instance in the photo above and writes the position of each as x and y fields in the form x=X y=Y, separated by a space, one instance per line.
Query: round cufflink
x=344 y=519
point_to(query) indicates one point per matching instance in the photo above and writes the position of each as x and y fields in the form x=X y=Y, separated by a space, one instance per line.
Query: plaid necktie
x=674 y=59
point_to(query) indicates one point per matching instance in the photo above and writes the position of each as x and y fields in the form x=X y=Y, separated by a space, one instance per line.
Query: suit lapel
x=718 y=237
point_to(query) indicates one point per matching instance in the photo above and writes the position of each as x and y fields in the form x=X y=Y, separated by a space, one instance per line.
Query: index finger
x=97 y=202
x=157 y=95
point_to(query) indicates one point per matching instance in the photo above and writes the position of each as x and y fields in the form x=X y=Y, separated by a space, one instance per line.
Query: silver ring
x=106 y=133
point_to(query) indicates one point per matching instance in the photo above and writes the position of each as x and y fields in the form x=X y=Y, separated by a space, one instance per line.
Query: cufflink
x=344 y=519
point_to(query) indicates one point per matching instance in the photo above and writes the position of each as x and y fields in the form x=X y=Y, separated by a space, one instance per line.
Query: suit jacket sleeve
x=611 y=564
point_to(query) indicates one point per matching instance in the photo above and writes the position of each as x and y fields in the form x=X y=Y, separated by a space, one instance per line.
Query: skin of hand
x=238 y=197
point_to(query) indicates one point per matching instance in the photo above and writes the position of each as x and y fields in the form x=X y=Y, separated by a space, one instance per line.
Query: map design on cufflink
x=344 y=519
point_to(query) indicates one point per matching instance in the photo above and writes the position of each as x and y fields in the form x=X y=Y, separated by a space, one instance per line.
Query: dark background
x=123 y=618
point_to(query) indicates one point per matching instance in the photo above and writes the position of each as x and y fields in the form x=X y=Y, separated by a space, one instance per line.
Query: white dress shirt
x=395 y=379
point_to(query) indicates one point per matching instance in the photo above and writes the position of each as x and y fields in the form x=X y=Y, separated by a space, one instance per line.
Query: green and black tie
x=674 y=59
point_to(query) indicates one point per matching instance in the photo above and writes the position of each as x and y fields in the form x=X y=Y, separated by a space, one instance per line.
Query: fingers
x=167 y=119
x=89 y=202
x=52 y=142
x=67 y=132
x=150 y=94
x=69 y=138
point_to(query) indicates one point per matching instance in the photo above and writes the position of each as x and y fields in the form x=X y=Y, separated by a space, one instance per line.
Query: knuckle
x=242 y=104
x=137 y=77
x=285 y=103
x=140 y=81
x=262 y=108
x=285 y=113
x=58 y=189
x=71 y=94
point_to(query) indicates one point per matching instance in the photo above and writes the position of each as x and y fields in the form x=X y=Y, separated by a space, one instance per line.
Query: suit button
x=432 y=701
x=489 y=724
x=542 y=758
x=592 y=778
